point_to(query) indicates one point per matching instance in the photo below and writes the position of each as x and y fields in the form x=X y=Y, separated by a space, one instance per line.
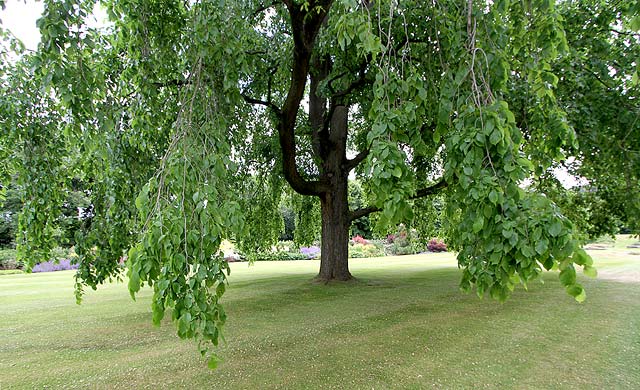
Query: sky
x=20 y=18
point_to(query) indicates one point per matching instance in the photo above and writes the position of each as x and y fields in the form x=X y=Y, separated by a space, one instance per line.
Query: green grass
x=10 y=271
x=404 y=325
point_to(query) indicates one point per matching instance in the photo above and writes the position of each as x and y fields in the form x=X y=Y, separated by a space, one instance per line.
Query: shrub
x=436 y=245
x=8 y=259
x=358 y=239
x=405 y=242
x=59 y=253
x=311 y=252
x=52 y=265
x=232 y=258
x=365 y=250
x=279 y=256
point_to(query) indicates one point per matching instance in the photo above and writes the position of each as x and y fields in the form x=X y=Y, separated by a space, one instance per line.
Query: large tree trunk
x=334 y=259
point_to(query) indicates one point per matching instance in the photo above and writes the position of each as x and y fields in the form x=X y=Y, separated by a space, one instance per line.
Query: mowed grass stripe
x=403 y=325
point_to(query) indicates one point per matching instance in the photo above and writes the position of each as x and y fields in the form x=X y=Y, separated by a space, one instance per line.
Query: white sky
x=20 y=17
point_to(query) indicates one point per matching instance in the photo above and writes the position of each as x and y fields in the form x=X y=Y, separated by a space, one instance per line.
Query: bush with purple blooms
x=311 y=252
x=50 y=266
x=436 y=245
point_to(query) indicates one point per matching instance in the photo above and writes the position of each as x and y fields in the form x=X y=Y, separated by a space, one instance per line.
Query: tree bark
x=334 y=258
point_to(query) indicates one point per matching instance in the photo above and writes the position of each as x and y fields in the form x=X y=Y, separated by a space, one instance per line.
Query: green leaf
x=478 y=224
x=635 y=23
x=568 y=276
x=577 y=292
x=542 y=246
x=184 y=323
x=493 y=197
x=555 y=228
x=220 y=289
x=581 y=257
x=496 y=136
x=590 y=271
x=134 y=283
x=213 y=362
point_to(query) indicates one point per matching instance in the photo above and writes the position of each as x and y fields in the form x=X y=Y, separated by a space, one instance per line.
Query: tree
x=599 y=91
x=190 y=119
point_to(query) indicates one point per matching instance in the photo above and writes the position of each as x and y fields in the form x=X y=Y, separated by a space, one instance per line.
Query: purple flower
x=50 y=266
x=311 y=251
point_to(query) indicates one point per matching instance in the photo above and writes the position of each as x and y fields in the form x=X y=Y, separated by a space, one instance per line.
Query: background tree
x=599 y=90
x=202 y=112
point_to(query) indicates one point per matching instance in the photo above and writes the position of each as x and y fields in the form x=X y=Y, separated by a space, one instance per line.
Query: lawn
x=404 y=325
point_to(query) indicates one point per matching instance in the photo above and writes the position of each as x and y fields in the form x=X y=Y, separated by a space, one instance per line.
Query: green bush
x=278 y=256
x=404 y=242
x=59 y=253
x=8 y=259
x=357 y=250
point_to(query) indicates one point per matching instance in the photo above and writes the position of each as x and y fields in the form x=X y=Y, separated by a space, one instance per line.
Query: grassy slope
x=405 y=325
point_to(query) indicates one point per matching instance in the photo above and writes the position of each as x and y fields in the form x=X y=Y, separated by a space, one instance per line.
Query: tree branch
x=267 y=103
x=627 y=33
x=431 y=190
x=362 y=80
x=265 y=7
x=360 y=157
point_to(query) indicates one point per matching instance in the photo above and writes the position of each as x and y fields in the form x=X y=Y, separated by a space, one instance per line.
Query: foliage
x=429 y=217
x=592 y=215
x=8 y=259
x=75 y=212
x=289 y=219
x=279 y=256
x=436 y=245
x=185 y=133
x=599 y=91
x=365 y=249
x=357 y=199
x=308 y=219
x=404 y=242
x=9 y=209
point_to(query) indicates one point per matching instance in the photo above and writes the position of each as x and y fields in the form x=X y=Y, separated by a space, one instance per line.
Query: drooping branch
x=431 y=190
